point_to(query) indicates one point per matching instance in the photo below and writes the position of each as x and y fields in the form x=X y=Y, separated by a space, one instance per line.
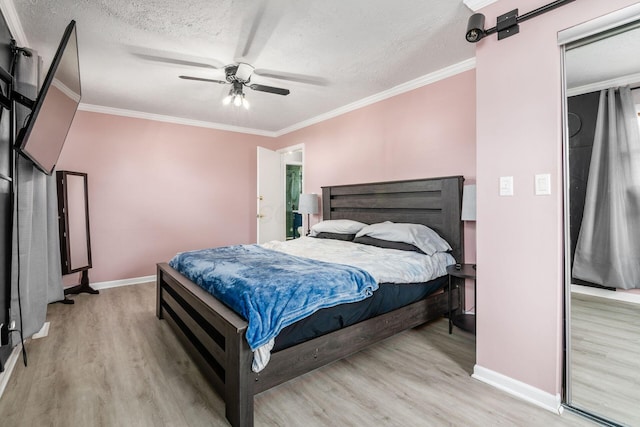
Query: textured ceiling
x=611 y=59
x=332 y=52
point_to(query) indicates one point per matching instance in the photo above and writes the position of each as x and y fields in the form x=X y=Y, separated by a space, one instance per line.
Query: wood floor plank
x=108 y=361
x=605 y=344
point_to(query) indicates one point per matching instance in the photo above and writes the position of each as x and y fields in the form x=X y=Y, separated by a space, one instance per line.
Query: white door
x=271 y=207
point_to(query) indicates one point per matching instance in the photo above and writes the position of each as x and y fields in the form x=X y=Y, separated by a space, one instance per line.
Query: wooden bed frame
x=214 y=335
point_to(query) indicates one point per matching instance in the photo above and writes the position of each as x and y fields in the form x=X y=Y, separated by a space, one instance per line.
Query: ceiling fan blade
x=292 y=77
x=270 y=89
x=200 y=79
x=174 y=61
x=258 y=28
x=176 y=58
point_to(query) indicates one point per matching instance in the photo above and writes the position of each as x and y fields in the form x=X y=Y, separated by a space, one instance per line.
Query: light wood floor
x=108 y=361
x=605 y=357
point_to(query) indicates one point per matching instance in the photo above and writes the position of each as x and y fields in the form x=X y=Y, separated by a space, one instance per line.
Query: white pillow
x=340 y=226
x=421 y=236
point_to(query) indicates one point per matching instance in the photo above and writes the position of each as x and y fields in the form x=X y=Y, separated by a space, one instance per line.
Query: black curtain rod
x=518 y=19
x=507 y=24
x=543 y=9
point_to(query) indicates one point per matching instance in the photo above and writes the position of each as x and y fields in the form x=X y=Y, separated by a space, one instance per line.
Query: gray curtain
x=608 y=247
x=36 y=249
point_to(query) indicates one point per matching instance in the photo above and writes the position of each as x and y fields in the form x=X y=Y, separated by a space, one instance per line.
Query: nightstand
x=466 y=322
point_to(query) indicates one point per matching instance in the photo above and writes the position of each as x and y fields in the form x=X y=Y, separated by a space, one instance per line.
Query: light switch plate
x=506 y=186
x=543 y=184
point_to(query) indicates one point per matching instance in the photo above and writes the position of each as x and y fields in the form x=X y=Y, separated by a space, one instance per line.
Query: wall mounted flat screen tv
x=46 y=130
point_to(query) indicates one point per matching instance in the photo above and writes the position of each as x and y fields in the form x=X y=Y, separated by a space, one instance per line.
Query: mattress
x=388 y=297
x=403 y=277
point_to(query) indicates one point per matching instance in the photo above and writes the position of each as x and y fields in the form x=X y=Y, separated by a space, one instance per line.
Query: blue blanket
x=271 y=289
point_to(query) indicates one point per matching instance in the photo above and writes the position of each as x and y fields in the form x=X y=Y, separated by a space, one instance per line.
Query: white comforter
x=385 y=265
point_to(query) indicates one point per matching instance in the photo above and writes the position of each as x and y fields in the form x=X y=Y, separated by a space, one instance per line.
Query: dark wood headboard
x=434 y=202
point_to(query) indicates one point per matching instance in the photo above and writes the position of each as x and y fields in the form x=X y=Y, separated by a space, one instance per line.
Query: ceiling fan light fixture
x=239 y=76
x=243 y=72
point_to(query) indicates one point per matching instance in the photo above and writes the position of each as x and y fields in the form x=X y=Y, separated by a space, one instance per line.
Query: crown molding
x=442 y=74
x=13 y=22
x=436 y=76
x=630 y=79
x=169 y=119
x=476 y=5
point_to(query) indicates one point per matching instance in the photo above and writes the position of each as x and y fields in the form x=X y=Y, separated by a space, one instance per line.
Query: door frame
x=566 y=39
x=283 y=151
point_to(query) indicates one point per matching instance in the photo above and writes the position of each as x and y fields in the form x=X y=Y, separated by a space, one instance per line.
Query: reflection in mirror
x=293 y=187
x=602 y=189
x=77 y=217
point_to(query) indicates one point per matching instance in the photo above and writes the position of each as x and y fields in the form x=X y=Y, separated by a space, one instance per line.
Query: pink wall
x=519 y=238
x=427 y=132
x=157 y=188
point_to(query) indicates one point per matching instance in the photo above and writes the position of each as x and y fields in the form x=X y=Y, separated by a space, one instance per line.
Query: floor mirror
x=73 y=221
x=602 y=217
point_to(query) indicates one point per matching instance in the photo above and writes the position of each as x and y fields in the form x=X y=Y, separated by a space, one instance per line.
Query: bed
x=213 y=334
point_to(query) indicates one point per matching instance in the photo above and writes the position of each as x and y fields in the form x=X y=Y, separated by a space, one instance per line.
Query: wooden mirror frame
x=70 y=205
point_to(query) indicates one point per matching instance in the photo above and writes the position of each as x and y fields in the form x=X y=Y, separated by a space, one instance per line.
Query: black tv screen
x=43 y=136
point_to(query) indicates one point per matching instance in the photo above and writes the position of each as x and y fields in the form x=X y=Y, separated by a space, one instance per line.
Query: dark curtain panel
x=608 y=247
x=6 y=205
x=36 y=247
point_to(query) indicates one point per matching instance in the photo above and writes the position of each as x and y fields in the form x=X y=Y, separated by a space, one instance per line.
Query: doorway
x=293 y=178
x=280 y=182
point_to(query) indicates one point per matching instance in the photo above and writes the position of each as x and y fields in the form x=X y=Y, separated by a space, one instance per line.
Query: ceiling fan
x=239 y=75
x=256 y=30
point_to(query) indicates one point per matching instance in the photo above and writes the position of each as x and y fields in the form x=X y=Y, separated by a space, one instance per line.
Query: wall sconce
x=507 y=24
x=308 y=204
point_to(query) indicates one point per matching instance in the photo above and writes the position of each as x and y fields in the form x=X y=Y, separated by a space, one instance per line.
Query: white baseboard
x=43 y=332
x=123 y=282
x=8 y=368
x=519 y=389
x=620 y=295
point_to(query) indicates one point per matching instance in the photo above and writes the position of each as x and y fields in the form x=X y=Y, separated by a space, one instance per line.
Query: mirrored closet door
x=602 y=217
